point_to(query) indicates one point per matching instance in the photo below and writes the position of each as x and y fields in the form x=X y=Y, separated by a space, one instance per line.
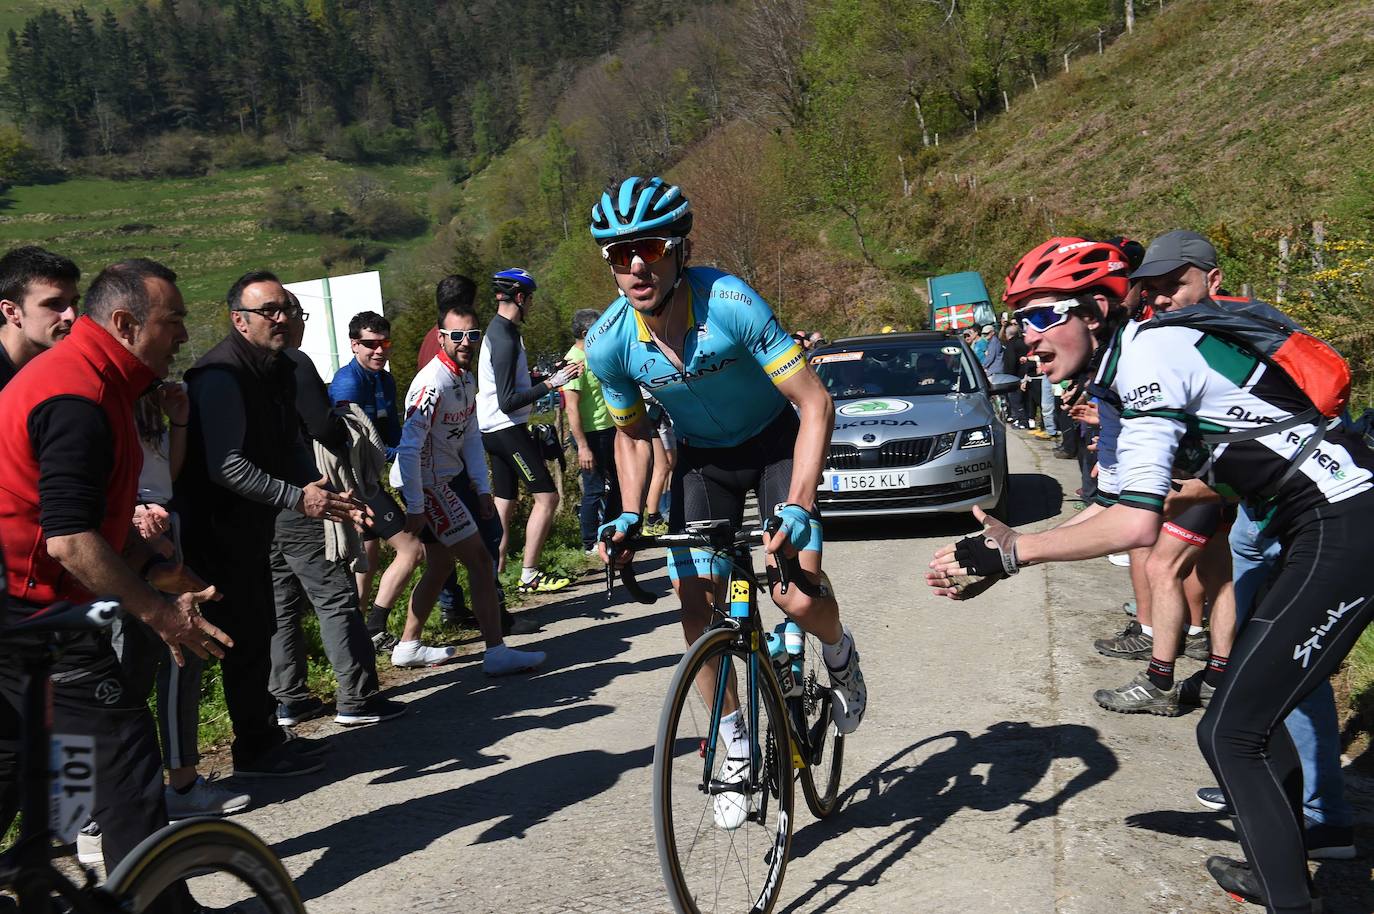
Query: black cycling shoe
x=1236 y=879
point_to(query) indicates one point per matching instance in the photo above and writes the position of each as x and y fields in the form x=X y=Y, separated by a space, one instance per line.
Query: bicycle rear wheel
x=709 y=867
x=209 y=848
x=820 y=779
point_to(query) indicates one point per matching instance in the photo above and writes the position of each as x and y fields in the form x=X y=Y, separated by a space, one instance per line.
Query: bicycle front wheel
x=723 y=835
x=820 y=779
x=224 y=858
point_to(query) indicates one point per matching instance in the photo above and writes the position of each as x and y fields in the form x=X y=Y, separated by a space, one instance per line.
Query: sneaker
x=1140 y=696
x=383 y=641
x=1329 y=842
x=543 y=583
x=1044 y=435
x=374 y=711
x=89 y=848
x=848 y=693
x=731 y=808
x=298 y=712
x=204 y=799
x=415 y=654
x=502 y=660
x=1062 y=454
x=517 y=625
x=1120 y=559
x=654 y=527
x=1199 y=646
x=304 y=745
x=1236 y=879
x=1213 y=798
x=1194 y=692
x=1130 y=644
x=283 y=761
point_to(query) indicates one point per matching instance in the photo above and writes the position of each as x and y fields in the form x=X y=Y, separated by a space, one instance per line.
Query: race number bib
x=72 y=774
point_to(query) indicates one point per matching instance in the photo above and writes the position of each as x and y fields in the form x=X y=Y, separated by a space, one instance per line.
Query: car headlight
x=943 y=445
x=975 y=437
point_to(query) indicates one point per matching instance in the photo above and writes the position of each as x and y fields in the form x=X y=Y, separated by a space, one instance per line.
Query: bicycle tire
x=196 y=847
x=684 y=877
x=820 y=778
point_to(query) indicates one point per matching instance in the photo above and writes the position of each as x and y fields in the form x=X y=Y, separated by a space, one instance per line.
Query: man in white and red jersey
x=443 y=480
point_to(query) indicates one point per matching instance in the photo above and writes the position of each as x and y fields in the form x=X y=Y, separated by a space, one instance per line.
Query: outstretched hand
x=953 y=575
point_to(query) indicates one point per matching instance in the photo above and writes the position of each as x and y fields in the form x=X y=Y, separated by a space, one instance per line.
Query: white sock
x=1148 y=629
x=1195 y=629
x=734 y=735
x=528 y=574
x=404 y=646
x=837 y=655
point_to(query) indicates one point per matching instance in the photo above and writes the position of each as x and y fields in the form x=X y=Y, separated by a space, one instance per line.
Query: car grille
x=904 y=452
x=915 y=497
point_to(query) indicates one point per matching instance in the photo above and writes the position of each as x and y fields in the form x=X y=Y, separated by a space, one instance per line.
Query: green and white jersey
x=1182 y=390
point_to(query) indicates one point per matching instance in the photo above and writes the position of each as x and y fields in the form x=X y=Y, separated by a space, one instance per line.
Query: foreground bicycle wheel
x=709 y=868
x=209 y=848
x=820 y=780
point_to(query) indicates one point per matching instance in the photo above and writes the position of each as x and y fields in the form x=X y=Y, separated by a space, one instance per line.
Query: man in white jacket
x=443 y=481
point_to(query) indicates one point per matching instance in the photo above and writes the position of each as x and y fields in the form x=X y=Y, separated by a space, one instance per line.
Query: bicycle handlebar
x=723 y=539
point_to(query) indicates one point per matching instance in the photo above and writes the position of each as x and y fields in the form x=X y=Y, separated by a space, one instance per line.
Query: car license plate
x=854 y=482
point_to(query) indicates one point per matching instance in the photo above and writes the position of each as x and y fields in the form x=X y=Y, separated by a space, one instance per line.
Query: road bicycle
x=791 y=734
x=57 y=782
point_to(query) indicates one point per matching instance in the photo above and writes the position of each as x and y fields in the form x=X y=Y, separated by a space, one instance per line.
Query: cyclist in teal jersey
x=710 y=350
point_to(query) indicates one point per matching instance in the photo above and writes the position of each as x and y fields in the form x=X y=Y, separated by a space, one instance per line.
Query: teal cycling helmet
x=639 y=207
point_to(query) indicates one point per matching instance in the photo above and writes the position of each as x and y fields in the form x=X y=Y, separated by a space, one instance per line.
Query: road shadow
x=1034 y=497
x=1210 y=826
x=918 y=797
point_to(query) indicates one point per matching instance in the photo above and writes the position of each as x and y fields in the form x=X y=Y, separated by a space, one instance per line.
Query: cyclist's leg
x=1298 y=636
x=503 y=489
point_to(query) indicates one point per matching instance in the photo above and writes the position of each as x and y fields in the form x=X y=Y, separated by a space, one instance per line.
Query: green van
x=959 y=300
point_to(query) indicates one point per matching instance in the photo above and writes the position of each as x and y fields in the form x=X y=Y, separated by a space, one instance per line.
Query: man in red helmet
x=1196 y=405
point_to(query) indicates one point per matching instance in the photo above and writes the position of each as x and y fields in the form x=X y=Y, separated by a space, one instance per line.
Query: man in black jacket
x=241 y=454
x=1014 y=352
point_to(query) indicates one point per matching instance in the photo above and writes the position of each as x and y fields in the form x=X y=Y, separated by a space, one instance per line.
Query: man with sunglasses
x=710 y=350
x=505 y=398
x=1177 y=383
x=367 y=382
x=441 y=471
x=242 y=457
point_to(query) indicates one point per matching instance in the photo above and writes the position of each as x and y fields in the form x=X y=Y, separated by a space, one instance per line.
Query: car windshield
x=898 y=369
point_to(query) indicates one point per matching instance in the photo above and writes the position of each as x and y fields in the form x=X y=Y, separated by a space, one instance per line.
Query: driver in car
x=847 y=380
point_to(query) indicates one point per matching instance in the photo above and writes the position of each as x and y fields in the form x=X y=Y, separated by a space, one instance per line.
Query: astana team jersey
x=734 y=355
x=1179 y=386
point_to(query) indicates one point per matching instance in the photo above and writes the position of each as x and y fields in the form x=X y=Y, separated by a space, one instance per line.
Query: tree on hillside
x=841 y=162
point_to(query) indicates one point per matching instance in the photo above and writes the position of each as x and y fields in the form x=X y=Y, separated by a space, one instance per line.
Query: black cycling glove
x=983 y=555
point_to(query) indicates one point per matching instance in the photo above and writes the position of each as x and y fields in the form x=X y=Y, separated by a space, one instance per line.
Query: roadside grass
x=1355 y=701
x=207 y=229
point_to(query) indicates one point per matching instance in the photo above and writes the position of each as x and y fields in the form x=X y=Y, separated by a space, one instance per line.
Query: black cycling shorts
x=1197 y=525
x=388 y=517
x=714 y=483
x=515 y=455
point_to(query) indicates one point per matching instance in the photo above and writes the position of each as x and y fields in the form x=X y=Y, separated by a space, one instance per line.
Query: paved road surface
x=984 y=778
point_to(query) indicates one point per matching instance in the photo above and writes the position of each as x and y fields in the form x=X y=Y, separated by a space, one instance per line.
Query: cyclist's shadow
x=920 y=796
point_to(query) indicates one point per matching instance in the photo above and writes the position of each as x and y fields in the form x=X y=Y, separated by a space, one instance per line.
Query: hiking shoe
x=1140 y=696
x=1130 y=644
x=502 y=660
x=414 y=654
x=305 y=745
x=298 y=712
x=1329 y=842
x=89 y=848
x=517 y=625
x=204 y=798
x=1236 y=879
x=1199 y=646
x=543 y=583
x=383 y=641
x=1194 y=692
x=1213 y=798
x=374 y=711
x=731 y=807
x=279 y=762
x=848 y=693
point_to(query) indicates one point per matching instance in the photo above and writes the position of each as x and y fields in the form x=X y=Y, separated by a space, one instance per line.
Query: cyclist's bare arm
x=634 y=453
x=817 y=413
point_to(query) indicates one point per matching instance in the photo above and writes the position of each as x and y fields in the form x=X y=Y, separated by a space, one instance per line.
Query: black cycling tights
x=1317 y=607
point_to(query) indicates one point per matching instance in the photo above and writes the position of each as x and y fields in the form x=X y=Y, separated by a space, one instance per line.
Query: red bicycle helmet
x=1070 y=265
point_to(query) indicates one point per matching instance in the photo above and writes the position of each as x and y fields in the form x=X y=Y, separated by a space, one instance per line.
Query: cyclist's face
x=461 y=353
x=643 y=284
x=1185 y=286
x=1064 y=350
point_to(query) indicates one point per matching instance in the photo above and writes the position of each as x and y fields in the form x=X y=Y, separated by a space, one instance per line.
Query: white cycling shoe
x=731 y=810
x=848 y=693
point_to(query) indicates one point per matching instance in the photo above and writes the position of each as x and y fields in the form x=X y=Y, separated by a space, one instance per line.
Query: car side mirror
x=1003 y=383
